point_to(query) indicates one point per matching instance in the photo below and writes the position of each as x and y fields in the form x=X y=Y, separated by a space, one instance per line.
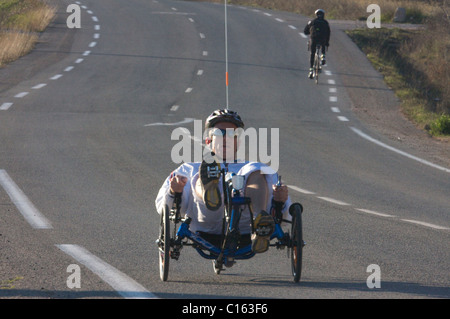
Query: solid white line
x=367 y=137
x=123 y=284
x=300 y=190
x=425 y=224
x=334 y=201
x=31 y=214
x=5 y=106
x=374 y=213
x=39 y=86
x=21 y=95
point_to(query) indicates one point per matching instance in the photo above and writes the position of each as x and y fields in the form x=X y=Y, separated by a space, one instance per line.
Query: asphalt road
x=85 y=128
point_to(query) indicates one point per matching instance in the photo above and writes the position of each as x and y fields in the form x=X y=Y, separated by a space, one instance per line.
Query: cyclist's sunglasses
x=225 y=132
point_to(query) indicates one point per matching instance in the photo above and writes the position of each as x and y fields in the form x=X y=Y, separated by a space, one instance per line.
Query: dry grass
x=20 y=24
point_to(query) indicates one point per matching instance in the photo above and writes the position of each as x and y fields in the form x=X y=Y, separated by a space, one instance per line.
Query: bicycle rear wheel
x=164 y=245
x=297 y=241
x=316 y=66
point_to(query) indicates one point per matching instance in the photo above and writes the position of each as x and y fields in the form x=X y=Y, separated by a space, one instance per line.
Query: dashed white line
x=292 y=27
x=86 y=53
x=123 y=284
x=97 y=27
x=343 y=119
x=5 y=106
x=78 y=61
x=279 y=20
x=374 y=213
x=205 y=53
x=301 y=190
x=174 y=108
x=68 y=69
x=39 y=86
x=334 y=201
x=56 y=77
x=96 y=36
x=21 y=95
x=332 y=90
x=188 y=90
x=95 y=19
x=333 y=98
x=425 y=224
x=331 y=81
x=202 y=36
x=303 y=35
x=200 y=72
x=335 y=109
x=31 y=214
x=92 y=44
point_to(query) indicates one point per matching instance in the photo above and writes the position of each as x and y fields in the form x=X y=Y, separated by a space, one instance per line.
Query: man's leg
x=257 y=190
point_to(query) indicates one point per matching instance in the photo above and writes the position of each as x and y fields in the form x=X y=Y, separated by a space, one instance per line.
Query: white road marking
x=303 y=35
x=334 y=201
x=202 y=36
x=332 y=90
x=186 y=120
x=5 y=106
x=97 y=27
x=200 y=72
x=343 y=119
x=292 y=27
x=374 y=213
x=39 y=86
x=279 y=20
x=96 y=35
x=21 y=95
x=205 y=53
x=95 y=19
x=300 y=190
x=371 y=139
x=174 y=108
x=86 y=53
x=333 y=98
x=68 y=69
x=188 y=90
x=331 y=82
x=425 y=224
x=79 y=60
x=56 y=77
x=335 y=109
x=123 y=284
x=31 y=214
x=92 y=44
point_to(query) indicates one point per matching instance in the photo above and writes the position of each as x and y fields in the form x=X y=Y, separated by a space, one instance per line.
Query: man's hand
x=280 y=193
x=177 y=183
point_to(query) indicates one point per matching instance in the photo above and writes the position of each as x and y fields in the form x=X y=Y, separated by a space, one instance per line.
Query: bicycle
x=317 y=63
x=171 y=241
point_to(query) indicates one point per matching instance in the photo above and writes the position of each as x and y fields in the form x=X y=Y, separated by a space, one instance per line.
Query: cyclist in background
x=319 y=32
x=202 y=194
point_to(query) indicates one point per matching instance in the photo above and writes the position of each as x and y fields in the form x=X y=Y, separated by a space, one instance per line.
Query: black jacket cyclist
x=319 y=32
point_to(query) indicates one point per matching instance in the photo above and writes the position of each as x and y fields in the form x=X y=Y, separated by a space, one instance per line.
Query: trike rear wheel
x=164 y=245
x=297 y=241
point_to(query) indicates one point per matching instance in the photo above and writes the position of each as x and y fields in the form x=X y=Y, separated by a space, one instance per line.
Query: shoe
x=209 y=177
x=323 y=59
x=311 y=73
x=264 y=227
